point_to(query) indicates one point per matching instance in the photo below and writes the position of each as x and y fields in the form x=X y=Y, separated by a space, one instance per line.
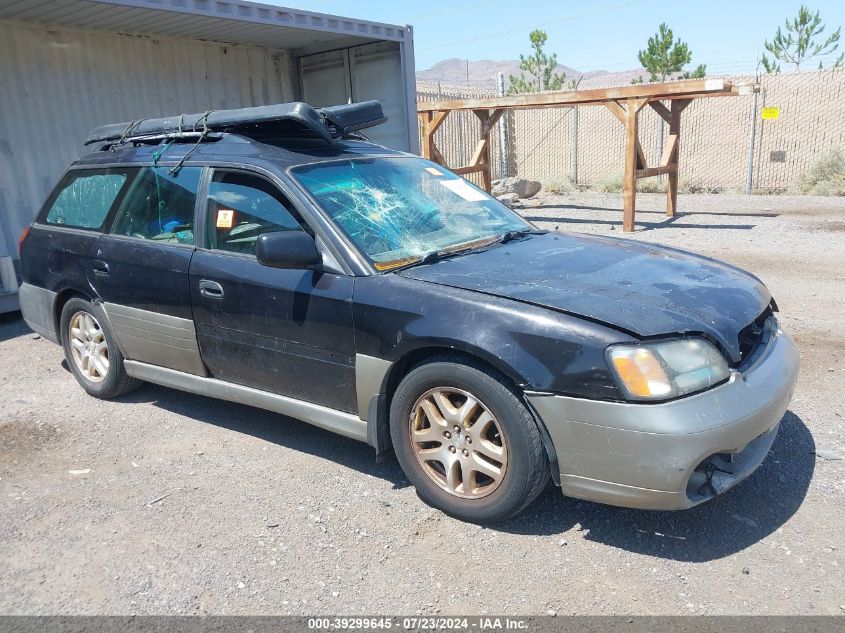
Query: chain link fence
x=585 y=145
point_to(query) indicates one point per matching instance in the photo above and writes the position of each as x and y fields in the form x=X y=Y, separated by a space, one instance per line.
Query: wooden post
x=431 y=122
x=481 y=156
x=632 y=109
x=427 y=135
x=671 y=153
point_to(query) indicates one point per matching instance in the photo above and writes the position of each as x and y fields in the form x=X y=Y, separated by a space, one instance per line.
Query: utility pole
x=749 y=173
x=503 y=135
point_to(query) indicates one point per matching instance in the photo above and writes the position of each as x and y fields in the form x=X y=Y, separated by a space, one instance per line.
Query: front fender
x=537 y=348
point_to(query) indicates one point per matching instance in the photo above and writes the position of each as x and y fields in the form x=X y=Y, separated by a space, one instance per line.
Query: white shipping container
x=67 y=66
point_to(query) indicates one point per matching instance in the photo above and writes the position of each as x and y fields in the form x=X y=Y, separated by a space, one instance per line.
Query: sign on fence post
x=771 y=113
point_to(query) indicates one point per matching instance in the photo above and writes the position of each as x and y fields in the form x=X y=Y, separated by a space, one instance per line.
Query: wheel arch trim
x=376 y=378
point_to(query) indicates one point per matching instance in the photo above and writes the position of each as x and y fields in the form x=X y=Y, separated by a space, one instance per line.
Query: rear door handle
x=100 y=267
x=211 y=289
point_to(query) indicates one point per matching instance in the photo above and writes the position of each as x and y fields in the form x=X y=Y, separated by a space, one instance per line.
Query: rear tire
x=466 y=441
x=91 y=351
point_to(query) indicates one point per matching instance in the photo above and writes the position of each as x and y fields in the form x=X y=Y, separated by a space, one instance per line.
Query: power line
x=454 y=9
x=534 y=26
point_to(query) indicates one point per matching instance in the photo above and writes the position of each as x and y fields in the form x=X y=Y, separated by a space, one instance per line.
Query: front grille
x=753 y=335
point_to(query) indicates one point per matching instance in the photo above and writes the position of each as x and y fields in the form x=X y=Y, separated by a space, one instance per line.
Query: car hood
x=640 y=288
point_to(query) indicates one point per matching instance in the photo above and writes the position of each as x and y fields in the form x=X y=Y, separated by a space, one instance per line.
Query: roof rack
x=294 y=120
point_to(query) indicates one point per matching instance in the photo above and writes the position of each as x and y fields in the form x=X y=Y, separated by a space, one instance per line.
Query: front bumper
x=676 y=454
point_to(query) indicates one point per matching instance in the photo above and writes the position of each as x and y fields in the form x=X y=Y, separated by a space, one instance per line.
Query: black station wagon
x=275 y=257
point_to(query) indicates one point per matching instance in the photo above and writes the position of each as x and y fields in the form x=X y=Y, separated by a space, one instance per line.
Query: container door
x=325 y=79
x=361 y=73
x=376 y=73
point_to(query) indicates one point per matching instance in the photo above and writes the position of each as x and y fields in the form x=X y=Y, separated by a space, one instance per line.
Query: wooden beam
x=638 y=103
x=641 y=164
x=493 y=118
x=617 y=109
x=437 y=120
x=438 y=157
x=430 y=121
x=630 y=185
x=669 y=150
x=681 y=104
x=656 y=171
x=481 y=155
x=661 y=109
x=478 y=154
x=657 y=92
x=467 y=169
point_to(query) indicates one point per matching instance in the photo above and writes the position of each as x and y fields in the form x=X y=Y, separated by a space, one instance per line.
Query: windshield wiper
x=470 y=247
x=514 y=235
x=434 y=256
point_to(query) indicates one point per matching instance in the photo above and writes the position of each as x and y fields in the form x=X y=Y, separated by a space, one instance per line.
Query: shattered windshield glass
x=398 y=210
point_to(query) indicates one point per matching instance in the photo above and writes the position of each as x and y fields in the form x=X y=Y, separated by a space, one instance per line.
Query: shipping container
x=67 y=66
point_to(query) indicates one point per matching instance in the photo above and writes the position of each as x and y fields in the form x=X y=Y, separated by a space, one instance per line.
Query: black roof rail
x=296 y=120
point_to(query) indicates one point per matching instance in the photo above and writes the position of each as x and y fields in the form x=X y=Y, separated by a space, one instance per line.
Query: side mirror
x=287 y=249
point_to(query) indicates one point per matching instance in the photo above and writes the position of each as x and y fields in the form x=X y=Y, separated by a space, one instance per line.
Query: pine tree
x=540 y=66
x=799 y=42
x=664 y=56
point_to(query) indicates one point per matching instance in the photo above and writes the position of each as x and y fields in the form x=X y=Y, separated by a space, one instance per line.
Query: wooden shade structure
x=624 y=102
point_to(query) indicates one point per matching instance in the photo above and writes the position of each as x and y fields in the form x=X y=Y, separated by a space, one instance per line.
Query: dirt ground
x=163 y=502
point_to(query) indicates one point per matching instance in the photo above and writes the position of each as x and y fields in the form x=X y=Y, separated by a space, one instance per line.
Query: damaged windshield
x=398 y=210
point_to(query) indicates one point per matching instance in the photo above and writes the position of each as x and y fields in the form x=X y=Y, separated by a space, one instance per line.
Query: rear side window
x=243 y=206
x=159 y=205
x=85 y=198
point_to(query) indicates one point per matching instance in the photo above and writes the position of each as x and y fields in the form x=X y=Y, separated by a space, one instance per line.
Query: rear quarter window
x=85 y=197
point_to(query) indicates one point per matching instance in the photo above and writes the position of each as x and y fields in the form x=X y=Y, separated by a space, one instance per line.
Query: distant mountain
x=482 y=74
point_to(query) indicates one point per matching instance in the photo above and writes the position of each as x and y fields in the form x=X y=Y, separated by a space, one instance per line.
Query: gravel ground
x=163 y=502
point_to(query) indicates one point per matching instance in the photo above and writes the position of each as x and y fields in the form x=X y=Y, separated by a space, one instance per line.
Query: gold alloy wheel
x=88 y=347
x=458 y=442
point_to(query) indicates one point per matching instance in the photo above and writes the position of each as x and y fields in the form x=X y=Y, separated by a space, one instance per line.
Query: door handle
x=211 y=289
x=100 y=267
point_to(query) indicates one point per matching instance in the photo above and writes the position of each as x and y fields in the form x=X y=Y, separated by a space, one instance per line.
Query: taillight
x=22 y=239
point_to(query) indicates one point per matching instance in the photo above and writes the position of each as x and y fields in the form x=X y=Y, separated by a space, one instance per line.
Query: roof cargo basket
x=289 y=120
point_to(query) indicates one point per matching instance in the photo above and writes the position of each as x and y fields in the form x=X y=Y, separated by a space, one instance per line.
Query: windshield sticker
x=433 y=171
x=462 y=188
x=225 y=218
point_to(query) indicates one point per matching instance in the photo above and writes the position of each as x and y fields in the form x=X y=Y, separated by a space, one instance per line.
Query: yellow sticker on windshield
x=225 y=218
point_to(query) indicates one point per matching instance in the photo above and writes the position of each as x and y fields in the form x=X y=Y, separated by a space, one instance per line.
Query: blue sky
x=585 y=34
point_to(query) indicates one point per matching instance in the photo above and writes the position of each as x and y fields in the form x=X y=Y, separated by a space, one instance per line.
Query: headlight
x=668 y=369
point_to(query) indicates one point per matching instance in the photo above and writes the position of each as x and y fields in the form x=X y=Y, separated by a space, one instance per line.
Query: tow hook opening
x=718 y=472
x=707 y=479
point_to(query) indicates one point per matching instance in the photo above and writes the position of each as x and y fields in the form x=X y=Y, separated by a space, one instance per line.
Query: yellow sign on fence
x=771 y=114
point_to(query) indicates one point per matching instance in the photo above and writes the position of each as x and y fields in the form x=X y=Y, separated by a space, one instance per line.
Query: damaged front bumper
x=676 y=454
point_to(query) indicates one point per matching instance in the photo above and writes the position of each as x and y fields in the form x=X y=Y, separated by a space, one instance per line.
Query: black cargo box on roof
x=294 y=120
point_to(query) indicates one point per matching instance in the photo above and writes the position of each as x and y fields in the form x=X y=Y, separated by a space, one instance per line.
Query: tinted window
x=241 y=207
x=85 y=198
x=160 y=206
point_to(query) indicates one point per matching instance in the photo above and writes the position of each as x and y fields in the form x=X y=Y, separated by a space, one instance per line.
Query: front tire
x=466 y=441
x=91 y=351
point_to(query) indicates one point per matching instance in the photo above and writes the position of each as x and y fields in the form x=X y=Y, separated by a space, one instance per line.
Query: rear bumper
x=37 y=306
x=676 y=454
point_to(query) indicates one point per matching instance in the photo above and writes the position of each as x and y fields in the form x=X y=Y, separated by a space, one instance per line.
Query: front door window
x=243 y=206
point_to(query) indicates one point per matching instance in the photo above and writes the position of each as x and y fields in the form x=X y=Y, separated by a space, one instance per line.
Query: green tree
x=800 y=42
x=664 y=56
x=540 y=66
x=699 y=72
